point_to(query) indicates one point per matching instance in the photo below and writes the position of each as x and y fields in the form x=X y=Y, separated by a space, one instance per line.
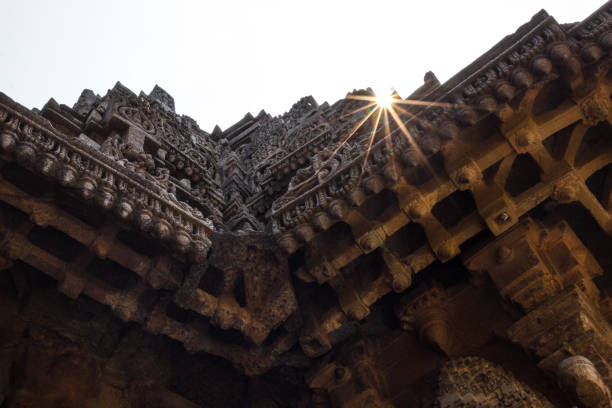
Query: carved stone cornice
x=34 y=143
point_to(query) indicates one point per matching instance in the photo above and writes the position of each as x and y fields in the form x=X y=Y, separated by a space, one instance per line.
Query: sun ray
x=416 y=102
x=343 y=142
x=359 y=109
x=369 y=98
x=385 y=106
x=386 y=124
x=355 y=129
x=396 y=100
x=407 y=112
x=370 y=141
x=402 y=127
x=387 y=137
x=410 y=138
x=424 y=103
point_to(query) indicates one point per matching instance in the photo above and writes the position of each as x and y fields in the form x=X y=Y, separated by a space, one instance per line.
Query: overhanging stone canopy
x=467 y=264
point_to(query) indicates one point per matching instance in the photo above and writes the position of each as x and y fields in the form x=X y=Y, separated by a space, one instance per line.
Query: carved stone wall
x=453 y=249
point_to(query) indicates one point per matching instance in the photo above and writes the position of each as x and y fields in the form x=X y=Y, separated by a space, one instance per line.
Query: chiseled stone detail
x=595 y=108
x=256 y=268
x=106 y=177
x=426 y=312
x=272 y=243
x=578 y=374
x=532 y=263
x=475 y=382
x=569 y=324
x=353 y=379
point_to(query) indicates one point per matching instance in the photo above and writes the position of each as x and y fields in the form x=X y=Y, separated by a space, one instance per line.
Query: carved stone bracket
x=425 y=311
x=595 y=108
x=352 y=379
x=531 y=263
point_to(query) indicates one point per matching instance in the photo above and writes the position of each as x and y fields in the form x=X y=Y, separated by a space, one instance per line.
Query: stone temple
x=458 y=255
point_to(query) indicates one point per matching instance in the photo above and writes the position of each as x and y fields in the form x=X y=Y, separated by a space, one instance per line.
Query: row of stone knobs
x=101 y=191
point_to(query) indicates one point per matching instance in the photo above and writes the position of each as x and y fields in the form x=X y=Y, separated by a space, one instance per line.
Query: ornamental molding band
x=450 y=249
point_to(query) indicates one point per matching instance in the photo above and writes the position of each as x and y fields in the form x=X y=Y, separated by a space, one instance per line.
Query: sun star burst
x=384 y=100
x=383 y=105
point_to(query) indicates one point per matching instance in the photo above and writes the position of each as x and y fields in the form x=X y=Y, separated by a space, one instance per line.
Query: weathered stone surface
x=321 y=244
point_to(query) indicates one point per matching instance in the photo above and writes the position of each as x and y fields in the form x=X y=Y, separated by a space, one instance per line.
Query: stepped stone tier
x=455 y=253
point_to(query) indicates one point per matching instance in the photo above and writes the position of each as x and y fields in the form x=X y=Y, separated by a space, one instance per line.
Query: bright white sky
x=221 y=59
